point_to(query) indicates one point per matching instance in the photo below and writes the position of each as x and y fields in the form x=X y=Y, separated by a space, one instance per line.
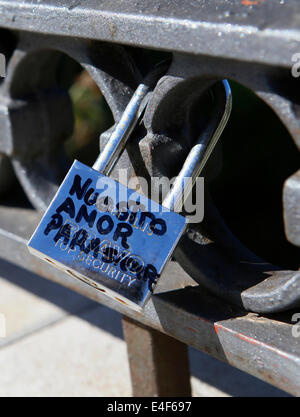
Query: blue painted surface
x=118 y=265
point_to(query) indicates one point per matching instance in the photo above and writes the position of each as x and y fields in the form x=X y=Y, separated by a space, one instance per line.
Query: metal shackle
x=201 y=151
x=131 y=116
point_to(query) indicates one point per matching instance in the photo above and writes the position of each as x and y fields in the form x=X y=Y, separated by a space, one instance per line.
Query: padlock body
x=107 y=235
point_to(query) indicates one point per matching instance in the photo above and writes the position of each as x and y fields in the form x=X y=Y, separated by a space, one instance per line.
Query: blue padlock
x=109 y=236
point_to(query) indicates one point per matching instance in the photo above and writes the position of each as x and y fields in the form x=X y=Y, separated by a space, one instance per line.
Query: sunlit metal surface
x=108 y=249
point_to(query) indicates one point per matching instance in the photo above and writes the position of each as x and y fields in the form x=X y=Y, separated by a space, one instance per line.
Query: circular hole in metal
x=258 y=156
x=68 y=115
x=92 y=116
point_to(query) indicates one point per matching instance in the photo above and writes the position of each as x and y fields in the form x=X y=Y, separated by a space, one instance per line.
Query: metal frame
x=261 y=346
x=224 y=39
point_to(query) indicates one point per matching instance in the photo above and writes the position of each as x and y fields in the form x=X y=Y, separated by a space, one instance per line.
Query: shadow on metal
x=207 y=369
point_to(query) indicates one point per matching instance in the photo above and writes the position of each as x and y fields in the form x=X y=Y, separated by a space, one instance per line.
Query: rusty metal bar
x=159 y=364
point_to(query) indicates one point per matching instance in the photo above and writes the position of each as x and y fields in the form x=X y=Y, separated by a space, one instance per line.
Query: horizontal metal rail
x=261 y=346
x=267 y=32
